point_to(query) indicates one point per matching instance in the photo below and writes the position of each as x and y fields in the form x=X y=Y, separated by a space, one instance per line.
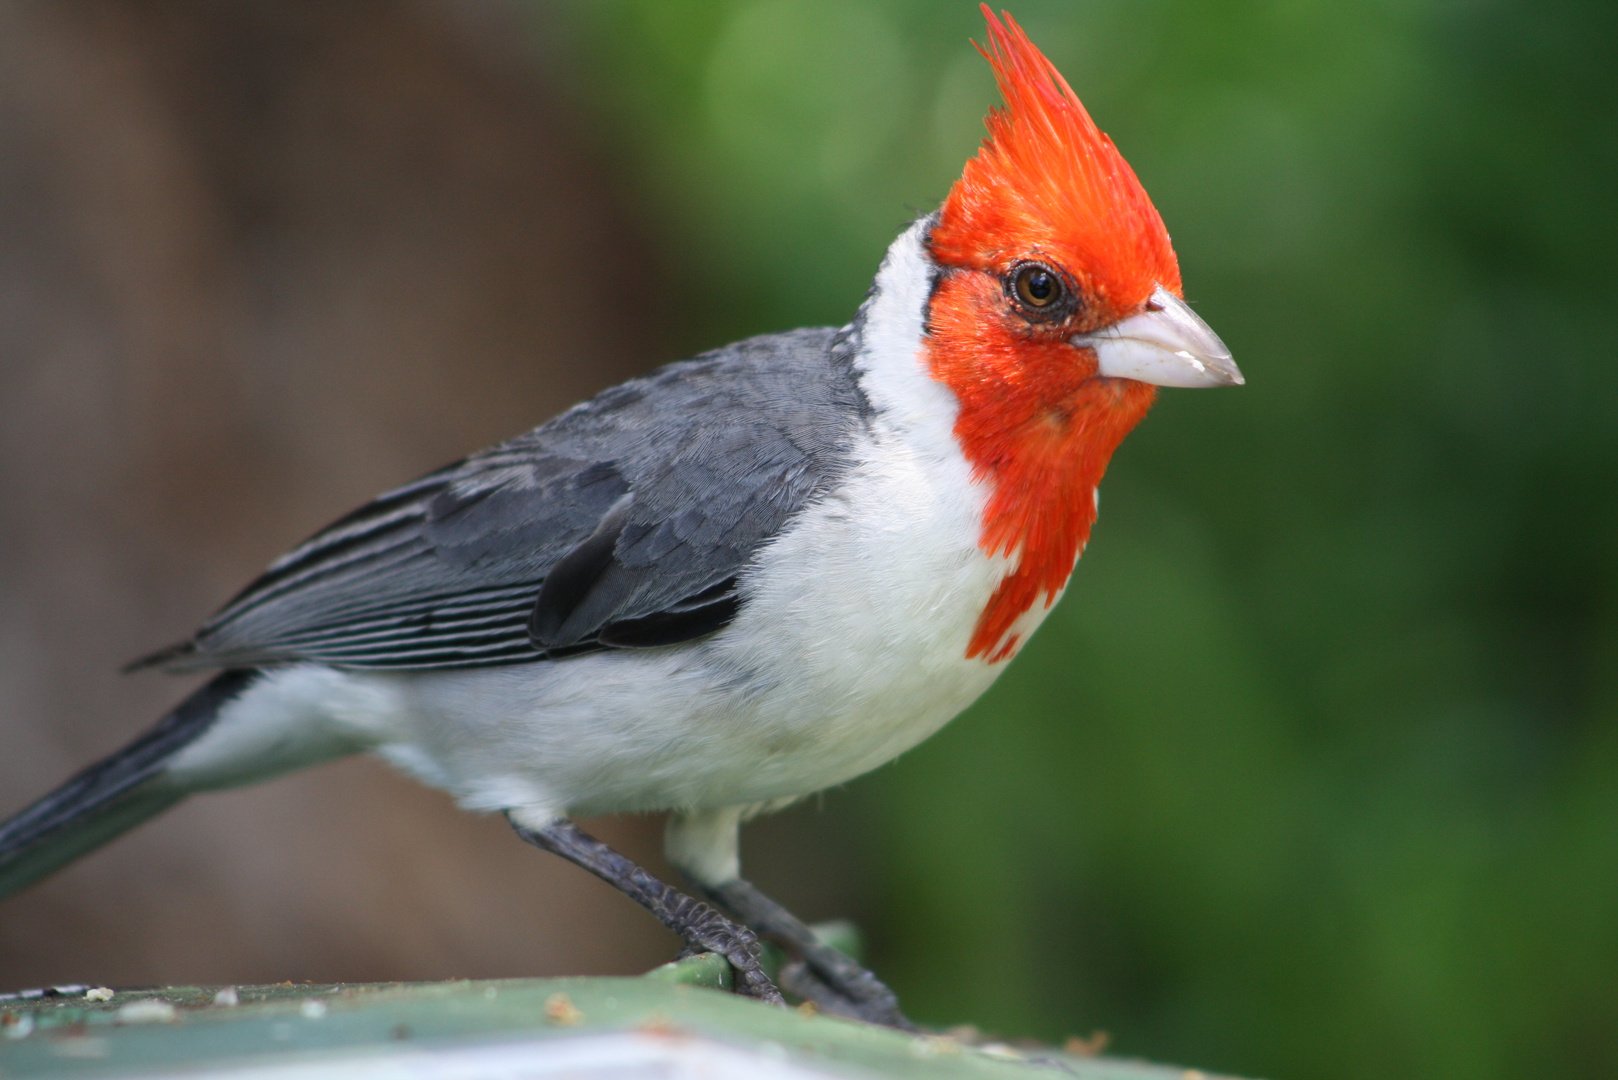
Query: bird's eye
x=1037 y=287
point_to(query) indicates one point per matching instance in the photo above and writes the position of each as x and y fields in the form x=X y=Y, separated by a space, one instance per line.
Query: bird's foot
x=706 y=930
x=862 y=996
x=801 y=981
x=816 y=972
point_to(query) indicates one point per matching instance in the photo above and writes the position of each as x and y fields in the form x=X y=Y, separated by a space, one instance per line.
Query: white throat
x=892 y=362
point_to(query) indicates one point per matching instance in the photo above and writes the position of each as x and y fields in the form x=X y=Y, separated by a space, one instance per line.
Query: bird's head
x=1055 y=315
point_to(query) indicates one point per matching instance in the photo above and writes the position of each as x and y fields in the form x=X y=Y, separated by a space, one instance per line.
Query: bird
x=738 y=580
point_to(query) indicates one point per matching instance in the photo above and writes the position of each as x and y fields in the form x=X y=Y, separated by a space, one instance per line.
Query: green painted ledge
x=504 y=1028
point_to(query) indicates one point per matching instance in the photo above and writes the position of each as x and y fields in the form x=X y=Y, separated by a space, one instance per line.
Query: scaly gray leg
x=700 y=925
x=857 y=992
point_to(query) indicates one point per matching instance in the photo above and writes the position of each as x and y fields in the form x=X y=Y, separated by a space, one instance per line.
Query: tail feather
x=110 y=797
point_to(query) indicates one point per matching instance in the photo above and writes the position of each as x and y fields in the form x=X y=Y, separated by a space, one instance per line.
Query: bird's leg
x=700 y=925
x=862 y=994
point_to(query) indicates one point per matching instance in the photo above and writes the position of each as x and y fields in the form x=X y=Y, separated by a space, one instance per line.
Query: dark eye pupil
x=1037 y=287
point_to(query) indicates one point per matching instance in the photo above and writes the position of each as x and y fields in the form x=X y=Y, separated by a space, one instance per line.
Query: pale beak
x=1166 y=345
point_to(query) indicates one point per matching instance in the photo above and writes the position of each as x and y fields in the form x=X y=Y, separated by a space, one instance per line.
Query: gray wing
x=622 y=523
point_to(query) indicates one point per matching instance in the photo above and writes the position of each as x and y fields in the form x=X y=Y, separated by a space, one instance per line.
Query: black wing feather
x=680 y=623
x=570 y=598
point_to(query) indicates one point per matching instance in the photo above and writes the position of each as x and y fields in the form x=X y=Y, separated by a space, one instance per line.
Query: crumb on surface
x=559 y=1009
x=1091 y=1046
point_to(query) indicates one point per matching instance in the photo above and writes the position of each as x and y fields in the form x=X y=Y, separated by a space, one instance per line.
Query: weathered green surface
x=183 y=1029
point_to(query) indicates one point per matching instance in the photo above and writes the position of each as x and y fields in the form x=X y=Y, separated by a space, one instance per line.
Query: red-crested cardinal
x=736 y=581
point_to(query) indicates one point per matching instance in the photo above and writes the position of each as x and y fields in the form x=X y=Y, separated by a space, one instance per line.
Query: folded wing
x=626 y=522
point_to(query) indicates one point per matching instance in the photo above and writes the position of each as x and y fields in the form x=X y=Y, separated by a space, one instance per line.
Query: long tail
x=110 y=797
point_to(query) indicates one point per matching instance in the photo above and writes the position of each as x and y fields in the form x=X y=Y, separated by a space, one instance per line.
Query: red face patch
x=1047 y=234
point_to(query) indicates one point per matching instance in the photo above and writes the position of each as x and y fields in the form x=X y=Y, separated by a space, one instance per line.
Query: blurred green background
x=1314 y=772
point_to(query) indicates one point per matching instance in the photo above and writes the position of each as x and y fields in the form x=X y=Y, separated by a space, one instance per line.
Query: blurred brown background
x=258 y=262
